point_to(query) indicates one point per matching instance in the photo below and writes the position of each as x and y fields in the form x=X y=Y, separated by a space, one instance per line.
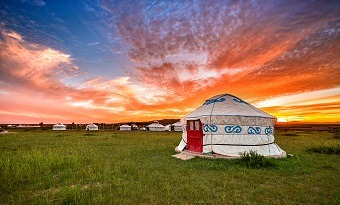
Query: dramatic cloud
x=143 y=60
x=266 y=41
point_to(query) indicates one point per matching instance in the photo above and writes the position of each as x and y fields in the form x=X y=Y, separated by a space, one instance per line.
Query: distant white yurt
x=134 y=127
x=91 y=127
x=178 y=127
x=59 y=126
x=156 y=127
x=125 y=127
x=229 y=126
x=167 y=127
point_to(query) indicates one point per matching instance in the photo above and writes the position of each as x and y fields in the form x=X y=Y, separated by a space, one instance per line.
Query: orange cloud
x=33 y=66
x=276 y=50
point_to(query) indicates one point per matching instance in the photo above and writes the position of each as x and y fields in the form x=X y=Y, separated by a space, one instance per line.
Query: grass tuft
x=90 y=134
x=114 y=135
x=336 y=135
x=63 y=135
x=325 y=150
x=257 y=161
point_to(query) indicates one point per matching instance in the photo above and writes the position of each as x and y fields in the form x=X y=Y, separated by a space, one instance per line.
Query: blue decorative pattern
x=210 y=128
x=232 y=129
x=254 y=130
x=214 y=100
x=239 y=100
x=268 y=130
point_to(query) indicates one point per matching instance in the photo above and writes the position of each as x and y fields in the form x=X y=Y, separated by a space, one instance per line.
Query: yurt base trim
x=219 y=156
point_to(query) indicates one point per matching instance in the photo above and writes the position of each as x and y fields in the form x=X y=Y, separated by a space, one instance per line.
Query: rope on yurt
x=268 y=144
x=211 y=136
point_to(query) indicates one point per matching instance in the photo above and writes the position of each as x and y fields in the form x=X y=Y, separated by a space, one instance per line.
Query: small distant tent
x=59 y=126
x=177 y=127
x=229 y=126
x=167 y=127
x=91 y=127
x=155 y=126
x=125 y=127
x=134 y=127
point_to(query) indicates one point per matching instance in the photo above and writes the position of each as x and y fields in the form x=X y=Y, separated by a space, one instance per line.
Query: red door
x=195 y=135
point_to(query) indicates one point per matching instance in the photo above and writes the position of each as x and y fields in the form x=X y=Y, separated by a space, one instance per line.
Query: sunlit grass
x=112 y=167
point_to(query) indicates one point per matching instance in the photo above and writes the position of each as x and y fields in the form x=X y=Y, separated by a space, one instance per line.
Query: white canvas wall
x=59 y=127
x=156 y=127
x=125 y=127
x=91 y=127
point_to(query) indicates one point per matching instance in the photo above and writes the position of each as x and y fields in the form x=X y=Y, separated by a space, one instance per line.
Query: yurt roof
x=155 y=125
x=125 y=126
x=177 y=124
x=227 y=105
x=229 y=109
x=59 y=124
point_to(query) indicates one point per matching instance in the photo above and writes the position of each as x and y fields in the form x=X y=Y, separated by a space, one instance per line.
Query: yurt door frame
x=195 y=135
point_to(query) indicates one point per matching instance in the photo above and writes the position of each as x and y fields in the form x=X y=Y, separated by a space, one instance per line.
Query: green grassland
x=117 y=167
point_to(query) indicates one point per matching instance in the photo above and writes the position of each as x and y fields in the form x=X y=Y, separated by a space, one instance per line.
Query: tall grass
x=78 y=167
x=254 y=160
x=325 y=150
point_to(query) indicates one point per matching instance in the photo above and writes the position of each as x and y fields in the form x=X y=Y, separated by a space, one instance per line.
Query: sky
x=87 y=61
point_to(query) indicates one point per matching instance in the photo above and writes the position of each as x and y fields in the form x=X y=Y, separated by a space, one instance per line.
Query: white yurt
x=229 y=126
x=134 y=127
x=167 y=127
x=125 y=127
x=59 y=126
x=177 y=127
x=91 y=127
x=156 y=127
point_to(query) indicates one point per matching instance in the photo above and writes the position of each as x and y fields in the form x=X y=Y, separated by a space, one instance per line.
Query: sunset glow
x=114 y=61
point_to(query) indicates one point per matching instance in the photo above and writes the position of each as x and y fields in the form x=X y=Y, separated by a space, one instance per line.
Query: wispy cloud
x=301 y=98
x=31 y=65
x=34 y=2
x=93 y=44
